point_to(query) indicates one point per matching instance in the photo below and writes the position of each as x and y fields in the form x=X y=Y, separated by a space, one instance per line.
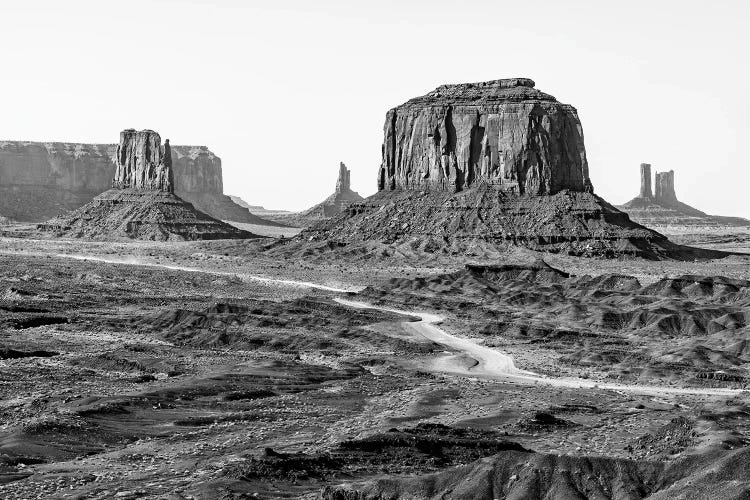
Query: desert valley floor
x=216 y=370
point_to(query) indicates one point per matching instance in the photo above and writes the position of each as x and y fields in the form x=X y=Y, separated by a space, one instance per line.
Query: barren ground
x=123 y=378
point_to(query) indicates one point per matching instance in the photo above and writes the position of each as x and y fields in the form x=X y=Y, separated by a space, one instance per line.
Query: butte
x=661 y=208
x=141 y=204
x=471 y=169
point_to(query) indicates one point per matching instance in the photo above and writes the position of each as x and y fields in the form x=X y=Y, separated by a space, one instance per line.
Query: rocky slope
x=141 y=203
x=471 y=169
x=39 y=180
x=518 y=475
x=662 y=209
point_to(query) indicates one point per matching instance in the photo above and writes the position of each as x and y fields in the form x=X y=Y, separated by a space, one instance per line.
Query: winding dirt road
x=489 y=363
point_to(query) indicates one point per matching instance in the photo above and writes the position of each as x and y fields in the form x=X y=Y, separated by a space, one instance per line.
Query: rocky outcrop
x=502 y=132
x=142 y=163
x=469 y=170
x=342 y=197
x=646 y=181
x=141 y=203
x=41 y=180
x=664 y=184
x=701 y=473
x=663 y=210
x=197 y=170
x=344 y=182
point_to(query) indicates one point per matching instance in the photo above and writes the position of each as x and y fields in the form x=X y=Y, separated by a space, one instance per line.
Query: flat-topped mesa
x=664 y=187
x=501 y=132
x=142 y=162
x=343 y=183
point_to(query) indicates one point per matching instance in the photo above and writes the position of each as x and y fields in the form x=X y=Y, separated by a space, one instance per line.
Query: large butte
x=141 y=204
x=470 y=169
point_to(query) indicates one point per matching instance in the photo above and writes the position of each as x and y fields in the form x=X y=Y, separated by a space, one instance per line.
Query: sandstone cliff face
x=143 y=163
x=75 y=167
x=40 y=180
x=197 y=170
x=502 y=132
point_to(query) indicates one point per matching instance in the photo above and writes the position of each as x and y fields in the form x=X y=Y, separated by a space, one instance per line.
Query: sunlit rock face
x=143 y=163
x=502 y=132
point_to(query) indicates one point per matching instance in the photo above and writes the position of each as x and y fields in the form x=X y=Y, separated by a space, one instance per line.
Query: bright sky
x=282 y=90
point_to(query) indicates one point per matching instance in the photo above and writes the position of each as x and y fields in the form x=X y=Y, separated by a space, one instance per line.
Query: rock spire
x=662 y=209
x=664 y=187
x=646 y=181
x=342 y=197
x=343 y=184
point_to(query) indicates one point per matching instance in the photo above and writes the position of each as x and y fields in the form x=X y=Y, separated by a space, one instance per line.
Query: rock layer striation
x=502 y=132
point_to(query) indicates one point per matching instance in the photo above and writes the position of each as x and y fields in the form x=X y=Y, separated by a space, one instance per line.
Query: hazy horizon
x=283 y=92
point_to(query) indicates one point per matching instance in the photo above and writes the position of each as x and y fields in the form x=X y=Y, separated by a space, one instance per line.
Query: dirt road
x=492 y=363
x=489 y=363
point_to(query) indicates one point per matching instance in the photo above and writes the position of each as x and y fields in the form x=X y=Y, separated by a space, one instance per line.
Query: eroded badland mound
x=472 y=168
x=141 y=203
x=661 y=208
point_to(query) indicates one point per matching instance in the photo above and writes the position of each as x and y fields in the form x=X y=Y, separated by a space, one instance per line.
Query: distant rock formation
x=41 y=180
x=341 y=198
x=282 y=217
x=141 y=203
x=662 y=208
x=344 y=181
x=646 y=181
x=664 y=192
x=502 y=132
x=471 y=169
